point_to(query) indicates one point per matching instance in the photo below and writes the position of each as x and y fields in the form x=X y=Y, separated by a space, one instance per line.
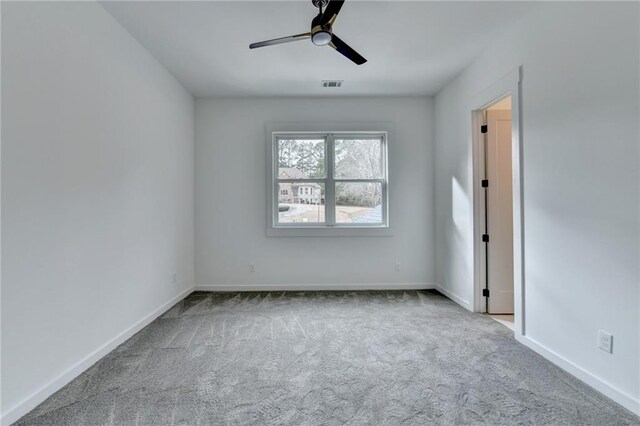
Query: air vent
x=331 y=83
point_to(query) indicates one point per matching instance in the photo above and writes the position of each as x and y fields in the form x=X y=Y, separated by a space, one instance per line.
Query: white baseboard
x=622 y=398
x=459 y=300
x=58 y=383
x=313 y=287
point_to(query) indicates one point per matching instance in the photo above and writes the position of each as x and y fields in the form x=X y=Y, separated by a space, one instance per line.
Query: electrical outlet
x=252 y=267
x=397 y=266
x=174 y=278
x=605 y=341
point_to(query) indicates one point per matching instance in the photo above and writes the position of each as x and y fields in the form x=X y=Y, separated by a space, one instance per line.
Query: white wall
x=97 y=189
x=581 y=184
x=231 y=198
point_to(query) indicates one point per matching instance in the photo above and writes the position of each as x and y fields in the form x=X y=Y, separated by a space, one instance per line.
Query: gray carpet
x=324 y=358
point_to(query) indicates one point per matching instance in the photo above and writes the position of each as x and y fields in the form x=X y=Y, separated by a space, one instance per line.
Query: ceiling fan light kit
x=321 y=38
x=321 y=33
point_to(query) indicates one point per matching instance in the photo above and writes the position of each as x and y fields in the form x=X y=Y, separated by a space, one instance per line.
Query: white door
x=500 y=212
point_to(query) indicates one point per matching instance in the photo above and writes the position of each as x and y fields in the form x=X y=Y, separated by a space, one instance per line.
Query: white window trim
x=275 y=129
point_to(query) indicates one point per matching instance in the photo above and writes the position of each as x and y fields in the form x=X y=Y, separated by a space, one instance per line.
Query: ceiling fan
x=321 y=33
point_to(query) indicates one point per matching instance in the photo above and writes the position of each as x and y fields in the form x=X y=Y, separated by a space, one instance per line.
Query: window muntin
x=330 y=180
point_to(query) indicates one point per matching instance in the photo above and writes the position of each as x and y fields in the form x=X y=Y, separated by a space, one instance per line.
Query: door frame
x=510 y=84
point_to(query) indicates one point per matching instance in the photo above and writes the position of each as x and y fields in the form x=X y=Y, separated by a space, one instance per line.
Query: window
x=338 y=180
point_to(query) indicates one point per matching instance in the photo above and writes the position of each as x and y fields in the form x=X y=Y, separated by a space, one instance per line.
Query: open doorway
x=498 y=283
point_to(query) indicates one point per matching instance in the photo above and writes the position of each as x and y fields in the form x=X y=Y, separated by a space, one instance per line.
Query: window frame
x=330 y=227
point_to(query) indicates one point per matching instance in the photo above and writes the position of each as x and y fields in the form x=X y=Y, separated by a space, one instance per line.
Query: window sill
x=342 y=231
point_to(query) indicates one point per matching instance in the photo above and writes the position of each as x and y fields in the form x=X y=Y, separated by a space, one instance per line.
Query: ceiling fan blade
x=331 y=12
x=280 y=40
x=347 y=51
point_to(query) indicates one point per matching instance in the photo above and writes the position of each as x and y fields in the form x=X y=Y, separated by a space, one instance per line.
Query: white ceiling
x=412 y=48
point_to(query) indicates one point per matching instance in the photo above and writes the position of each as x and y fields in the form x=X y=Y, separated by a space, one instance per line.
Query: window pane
x=301 y=202
x=358 y=158
x=301 y=158
x=358 y=202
